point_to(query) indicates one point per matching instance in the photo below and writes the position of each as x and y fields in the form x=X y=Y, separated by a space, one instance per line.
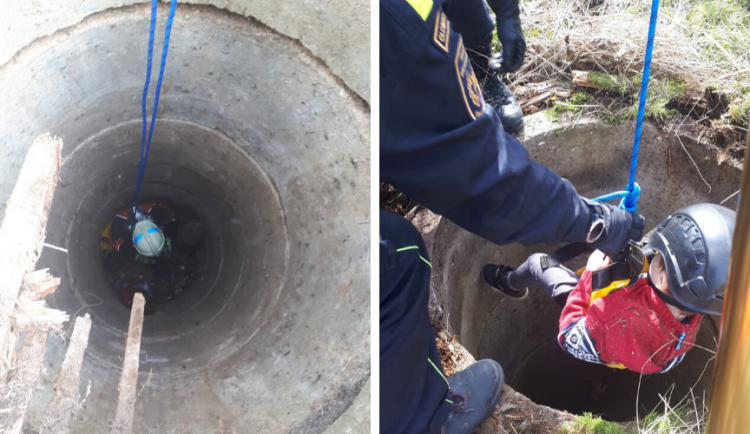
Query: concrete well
x=257 y=137
x=521 y=335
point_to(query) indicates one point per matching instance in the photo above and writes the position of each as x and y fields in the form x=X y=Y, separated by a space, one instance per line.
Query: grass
x=588 y=424
x=699 y=44
x=687 y=419
x=573 y=104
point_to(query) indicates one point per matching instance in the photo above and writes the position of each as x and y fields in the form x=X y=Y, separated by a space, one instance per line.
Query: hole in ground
x=258 y=138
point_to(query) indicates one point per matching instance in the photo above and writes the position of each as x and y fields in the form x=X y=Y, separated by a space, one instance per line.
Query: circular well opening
x=256 y=137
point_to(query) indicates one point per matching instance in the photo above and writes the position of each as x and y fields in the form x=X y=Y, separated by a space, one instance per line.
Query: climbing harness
x=146 y=146
x=621 y=273
x=632 y=192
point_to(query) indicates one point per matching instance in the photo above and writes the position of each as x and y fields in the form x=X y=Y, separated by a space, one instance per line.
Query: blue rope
x=633 y=191
x=146 y=146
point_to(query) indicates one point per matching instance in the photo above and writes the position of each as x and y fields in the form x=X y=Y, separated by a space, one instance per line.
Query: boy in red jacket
x=649 y=325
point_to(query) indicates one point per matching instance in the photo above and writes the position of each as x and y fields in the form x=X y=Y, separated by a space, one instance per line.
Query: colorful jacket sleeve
x=574 y=336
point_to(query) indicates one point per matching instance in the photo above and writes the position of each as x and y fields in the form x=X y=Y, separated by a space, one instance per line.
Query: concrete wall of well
x=336 y=31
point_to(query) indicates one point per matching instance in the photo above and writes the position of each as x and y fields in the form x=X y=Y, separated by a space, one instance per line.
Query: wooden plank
x=123 y=423
x=22 y=381
x=61 y=409
x=22 y=231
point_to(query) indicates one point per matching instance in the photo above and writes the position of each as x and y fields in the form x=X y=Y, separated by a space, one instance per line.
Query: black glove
x=612 y=228
x=514 y=47
x=136 y=215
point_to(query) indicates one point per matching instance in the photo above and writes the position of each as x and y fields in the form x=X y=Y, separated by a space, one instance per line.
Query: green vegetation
x=587 y=424
x=613 y=83
x=672 y=421
x=739 y=113
x=573 y=104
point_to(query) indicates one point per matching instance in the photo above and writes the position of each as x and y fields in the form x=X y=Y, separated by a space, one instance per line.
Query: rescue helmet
x=148 y=238
x=695 y=243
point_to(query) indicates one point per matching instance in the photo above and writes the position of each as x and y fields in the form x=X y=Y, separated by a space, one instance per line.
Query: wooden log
x=35 y=315
x=22 y=231
x=123 y=423
x=63 y=405
x=22 y=381
x=581 y=78
x=37 y=285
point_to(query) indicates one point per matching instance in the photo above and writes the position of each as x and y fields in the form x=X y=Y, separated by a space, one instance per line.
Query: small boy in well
x=649 y=325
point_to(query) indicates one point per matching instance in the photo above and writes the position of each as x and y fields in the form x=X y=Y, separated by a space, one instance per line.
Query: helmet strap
x=667 y=299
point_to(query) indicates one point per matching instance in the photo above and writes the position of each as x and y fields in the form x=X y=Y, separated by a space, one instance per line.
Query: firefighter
x=442 y=145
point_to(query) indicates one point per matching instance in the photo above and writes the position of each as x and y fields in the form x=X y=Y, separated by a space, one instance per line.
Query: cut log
x=61 y=409
x=21 y=382
x=22 y=231
x=123 y=423
x=37 y=285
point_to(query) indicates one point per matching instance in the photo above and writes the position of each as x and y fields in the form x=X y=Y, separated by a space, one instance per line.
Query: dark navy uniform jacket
x=443 y=146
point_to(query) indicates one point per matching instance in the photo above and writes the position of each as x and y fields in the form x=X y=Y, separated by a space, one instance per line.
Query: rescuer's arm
x=444 y=147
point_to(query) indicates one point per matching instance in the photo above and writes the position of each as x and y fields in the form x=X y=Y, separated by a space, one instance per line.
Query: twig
x=730 y=196
x=696 y=166
x=55 y=247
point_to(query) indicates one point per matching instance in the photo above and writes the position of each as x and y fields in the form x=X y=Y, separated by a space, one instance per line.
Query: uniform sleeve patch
x=442 y=31
x=468 y=83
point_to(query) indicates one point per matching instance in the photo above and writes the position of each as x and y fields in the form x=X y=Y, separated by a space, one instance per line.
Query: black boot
x=494 y=91
x=496 y=276
x=474 y=392
x=497 y=94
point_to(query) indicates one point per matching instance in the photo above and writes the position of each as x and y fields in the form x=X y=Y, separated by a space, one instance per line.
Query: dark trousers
x=557 y=281
x=412 y=388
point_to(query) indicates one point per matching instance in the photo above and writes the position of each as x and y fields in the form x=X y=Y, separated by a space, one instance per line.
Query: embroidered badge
x=468 y=83
x=442 y=31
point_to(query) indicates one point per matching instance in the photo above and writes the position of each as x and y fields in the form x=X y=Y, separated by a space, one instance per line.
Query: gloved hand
x=612 y=228
x=135 y=215
x=510 y=34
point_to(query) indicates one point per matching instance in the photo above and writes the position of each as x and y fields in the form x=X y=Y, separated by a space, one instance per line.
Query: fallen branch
x=123 y=423
x=22 y=381
x=22 y=231
x=61 y=409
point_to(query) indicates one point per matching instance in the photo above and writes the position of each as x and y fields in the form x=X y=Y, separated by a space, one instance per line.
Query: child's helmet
x=148 y=238
x=695 y=243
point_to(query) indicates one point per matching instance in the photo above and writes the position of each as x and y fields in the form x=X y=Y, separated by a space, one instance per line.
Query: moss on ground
x=588 y=424
x=573 y=104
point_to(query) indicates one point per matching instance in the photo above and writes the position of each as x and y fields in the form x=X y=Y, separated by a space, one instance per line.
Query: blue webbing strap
x=146 y=146
x=633 y=191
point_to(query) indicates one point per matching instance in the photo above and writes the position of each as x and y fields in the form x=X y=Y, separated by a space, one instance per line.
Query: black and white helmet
x=695 y=243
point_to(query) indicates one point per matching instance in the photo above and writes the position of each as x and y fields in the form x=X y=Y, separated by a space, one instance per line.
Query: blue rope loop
x=629 y=200
x=632 y=192
x=146 y=145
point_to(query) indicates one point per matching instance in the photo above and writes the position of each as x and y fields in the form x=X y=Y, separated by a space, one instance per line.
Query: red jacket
x=630 y=327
